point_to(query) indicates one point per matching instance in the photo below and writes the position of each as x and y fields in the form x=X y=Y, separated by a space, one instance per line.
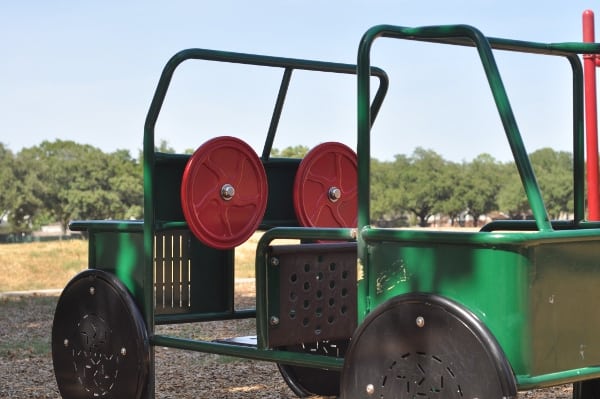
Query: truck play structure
x=347 y=308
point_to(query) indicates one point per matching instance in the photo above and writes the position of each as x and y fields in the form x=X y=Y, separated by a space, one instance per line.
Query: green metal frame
x=523 y=285
x=521 y=279
x=153 y=223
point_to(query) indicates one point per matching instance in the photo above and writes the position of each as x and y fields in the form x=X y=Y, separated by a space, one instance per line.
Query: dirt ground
x=26 y=363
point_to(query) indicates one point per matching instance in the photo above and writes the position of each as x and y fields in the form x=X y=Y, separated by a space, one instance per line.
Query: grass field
x=40 y=265
x=50 y=265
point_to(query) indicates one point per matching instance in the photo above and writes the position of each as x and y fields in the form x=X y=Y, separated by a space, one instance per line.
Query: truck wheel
x=306 y=381
x=99 y=340
x=420 y=345
x=589 y=389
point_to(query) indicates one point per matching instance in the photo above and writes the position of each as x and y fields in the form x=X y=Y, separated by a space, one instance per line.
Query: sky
x=86 y=71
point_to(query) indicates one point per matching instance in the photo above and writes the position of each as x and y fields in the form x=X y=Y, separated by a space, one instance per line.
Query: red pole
x=591 y=119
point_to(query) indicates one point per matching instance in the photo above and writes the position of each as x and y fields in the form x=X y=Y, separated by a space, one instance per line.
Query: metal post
x=591 y=119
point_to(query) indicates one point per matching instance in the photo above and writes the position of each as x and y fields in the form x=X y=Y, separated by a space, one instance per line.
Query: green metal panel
x=120 y=253
x=280 y=204
x=195 y=280
x=490 y=281
x=564 y=298
x=167 y=186
x=536 y=292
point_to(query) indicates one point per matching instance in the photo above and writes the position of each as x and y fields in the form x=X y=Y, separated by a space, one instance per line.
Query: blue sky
x=86 y=71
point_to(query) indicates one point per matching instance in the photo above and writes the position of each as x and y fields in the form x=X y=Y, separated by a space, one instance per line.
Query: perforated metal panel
x=312 y=293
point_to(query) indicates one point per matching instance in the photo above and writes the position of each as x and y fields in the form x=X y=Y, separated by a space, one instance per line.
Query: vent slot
x=172 y=272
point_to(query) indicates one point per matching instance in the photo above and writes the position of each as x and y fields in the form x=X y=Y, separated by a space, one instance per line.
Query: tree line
x=425 y=184
x=59 y=181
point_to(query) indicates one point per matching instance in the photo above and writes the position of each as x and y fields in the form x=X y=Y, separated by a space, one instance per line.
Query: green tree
x=454 y=205
x=27 y=205
x=8 y=182
x=164 y=147
x=427 y=183
x=554 y=172
x=297 y=151
x=511 y=196
x=479 y=186
x=388 y=198
x=65 y=180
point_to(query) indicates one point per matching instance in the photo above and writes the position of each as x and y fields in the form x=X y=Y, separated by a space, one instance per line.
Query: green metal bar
x=283 y=88
x=300 y=233
x=562 y=377
x=527 y=225
x=170 y=225
x=558 y=49
x=451 y=34
x=486 y=239
x=579 y=179
x=124 y=226
x=241 y=58
x=249 y=352
x=203 y=317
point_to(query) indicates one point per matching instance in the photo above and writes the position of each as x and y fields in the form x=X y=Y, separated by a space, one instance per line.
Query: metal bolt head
x=92 y=290
x=274 y=320
x=370 y=389
x=274 y=261
x=420 y=322
x=227 y=192
x=334 y=194
x=66 y=343
x=123 y=351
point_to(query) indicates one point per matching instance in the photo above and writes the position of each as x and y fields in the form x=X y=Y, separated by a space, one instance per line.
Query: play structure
x=344 y=308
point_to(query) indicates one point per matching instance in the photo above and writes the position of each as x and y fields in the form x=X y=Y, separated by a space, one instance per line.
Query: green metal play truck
x=345 y=308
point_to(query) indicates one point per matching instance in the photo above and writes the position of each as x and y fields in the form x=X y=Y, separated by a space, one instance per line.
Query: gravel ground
x=26 y=363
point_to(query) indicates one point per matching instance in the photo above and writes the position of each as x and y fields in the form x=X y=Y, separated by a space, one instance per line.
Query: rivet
x=123 y=351
x=92 y=290
x=227 y=192
x=274 y=320
x=274 y=261
x=334 y=194
x=370 y=389
x=66 y=343
x=420 y=322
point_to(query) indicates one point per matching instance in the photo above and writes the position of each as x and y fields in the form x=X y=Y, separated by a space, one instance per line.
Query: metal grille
x=172 y=272
x=317 y=293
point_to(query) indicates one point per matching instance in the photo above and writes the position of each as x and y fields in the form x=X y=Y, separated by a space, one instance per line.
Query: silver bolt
x=420 y=322
x=123 y=351
x=227 y=192
x=274 y=261
x=334 y=194
x=274 y=320
x=370 y=389
x=66 y=343
x=92 y=290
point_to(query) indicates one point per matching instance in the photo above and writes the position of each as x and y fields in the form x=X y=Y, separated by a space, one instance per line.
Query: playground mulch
x=26 y=362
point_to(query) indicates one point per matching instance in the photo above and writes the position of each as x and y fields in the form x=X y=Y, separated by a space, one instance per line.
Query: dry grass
x=50 y=265
x=40 y=265
x=245 y=255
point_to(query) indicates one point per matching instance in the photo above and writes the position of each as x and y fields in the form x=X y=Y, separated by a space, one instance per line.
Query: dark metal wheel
x=306 y=381
x=99 y=339
x=425 y=346
x=589 y=389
